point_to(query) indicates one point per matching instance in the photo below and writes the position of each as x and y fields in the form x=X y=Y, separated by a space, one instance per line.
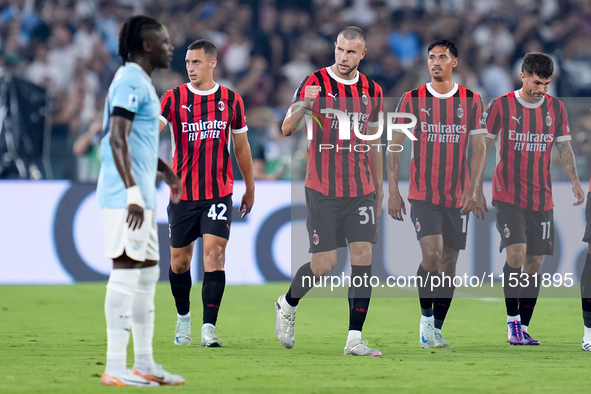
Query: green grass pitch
x=52 y=340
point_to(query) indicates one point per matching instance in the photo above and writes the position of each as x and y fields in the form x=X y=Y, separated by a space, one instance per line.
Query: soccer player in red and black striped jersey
x=525 y=124
x=204 y=116
x=442 y=193
x=343 y=182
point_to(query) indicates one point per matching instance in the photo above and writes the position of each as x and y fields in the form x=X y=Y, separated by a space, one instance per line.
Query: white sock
x=118 y=310
x=187 y=316
x=430 y=318
x=511 y=319
x=587 y=331
x=287 y=307
x=524 y=328
x=142 y=322
x=353 y=334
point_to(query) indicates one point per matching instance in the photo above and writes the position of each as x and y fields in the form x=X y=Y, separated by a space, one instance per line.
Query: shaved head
x=350 y=33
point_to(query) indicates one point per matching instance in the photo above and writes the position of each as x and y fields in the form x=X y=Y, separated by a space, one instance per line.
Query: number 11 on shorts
x=546 y=230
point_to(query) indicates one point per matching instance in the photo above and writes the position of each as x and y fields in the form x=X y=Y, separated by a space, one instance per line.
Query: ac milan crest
x=548 y=120
x=460 y=112
x=418 y=226
x=221 y=105
x=365 y=99
x=507 y=232
x=315 y=239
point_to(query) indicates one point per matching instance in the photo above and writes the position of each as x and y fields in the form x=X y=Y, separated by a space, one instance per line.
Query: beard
x=349 y=70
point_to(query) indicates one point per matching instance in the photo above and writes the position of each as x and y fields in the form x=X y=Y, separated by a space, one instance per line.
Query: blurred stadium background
x=58 y=58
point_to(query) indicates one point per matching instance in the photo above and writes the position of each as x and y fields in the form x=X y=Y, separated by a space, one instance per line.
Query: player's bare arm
x=296 y=112
x=244 y=159
x=376 y=167
x=567 y=161
x=396 y=207
x=171 y=180
x=161 y=125
x=120 y=129
x=473 y=197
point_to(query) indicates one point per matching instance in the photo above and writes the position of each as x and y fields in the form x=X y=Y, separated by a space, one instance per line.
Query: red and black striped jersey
x=439 y=161
x=524 y=135
x=339 y=167
x=201 y=123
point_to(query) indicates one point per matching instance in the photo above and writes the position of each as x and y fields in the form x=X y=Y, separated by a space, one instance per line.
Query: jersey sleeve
x=562 y=128
x=404 y=107
x=378 y=107
x=128 y=93
x=239 y=121
x=299 y=94
x=474 y=124
x=166 y=107
x=492 y=119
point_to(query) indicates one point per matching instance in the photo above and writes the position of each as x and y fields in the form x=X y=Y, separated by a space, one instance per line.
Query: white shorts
x=139 y=244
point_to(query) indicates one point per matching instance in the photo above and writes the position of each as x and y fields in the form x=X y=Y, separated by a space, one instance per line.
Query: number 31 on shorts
x=365 y=216
x=214 y=214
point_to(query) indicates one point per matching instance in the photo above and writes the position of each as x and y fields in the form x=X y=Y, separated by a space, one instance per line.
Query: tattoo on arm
x=392 y=162
x=567 y=160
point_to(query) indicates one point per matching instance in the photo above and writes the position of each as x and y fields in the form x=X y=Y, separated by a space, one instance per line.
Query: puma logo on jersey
x=518 y=120
x=427 y=111
x=188 y=108
x=334 y=96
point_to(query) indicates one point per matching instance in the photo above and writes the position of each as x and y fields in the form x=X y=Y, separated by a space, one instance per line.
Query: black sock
x=511 y=293
x=425 y=293
x=359 y=296
x=300 y=285
x=442 y=300
x=586 y=291
x=212 y=292
x=180 y=284
x=528 y=299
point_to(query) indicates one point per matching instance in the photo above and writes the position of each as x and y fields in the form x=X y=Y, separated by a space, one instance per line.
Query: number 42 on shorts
x=214 y=214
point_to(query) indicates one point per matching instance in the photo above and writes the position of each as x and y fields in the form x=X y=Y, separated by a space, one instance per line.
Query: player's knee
x=321 y=267
x=533 y=266
x=180 y=262
x=515 y=257
x=214 y=260
x=431 y=258
x=361 y=256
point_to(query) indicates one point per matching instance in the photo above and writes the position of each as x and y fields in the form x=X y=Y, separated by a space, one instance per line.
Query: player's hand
x=135 y=216
x=311 y=93
x=473 y=200
x=579 y=194
x=176 y=189
x=246 y=203
x=379 y=202
x=396 y=207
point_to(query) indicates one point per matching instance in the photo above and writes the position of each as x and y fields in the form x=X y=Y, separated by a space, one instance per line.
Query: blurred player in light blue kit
x=127 y=193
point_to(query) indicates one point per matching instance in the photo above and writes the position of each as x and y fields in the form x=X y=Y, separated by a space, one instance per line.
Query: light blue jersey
x=132 y=90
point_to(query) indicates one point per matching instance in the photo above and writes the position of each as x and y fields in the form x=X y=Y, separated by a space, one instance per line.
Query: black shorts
x=522 y=226
x=431 y=219
x=334 y=221
x=189 y=220
x=587 y=236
